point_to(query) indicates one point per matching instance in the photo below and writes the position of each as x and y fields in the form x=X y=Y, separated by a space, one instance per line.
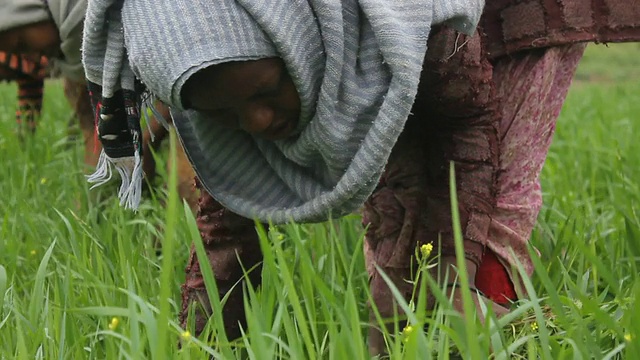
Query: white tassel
x=130 y=170
x=124 y=166
x=134 y=193
x=103 y=171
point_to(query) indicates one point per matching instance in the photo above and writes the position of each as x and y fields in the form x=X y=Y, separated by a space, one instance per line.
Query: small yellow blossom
x=43 y=181
x=114 y=323
x=280 y=237
x=407 y=330
x=32 y=252
x=534 y=326
x=186 y=335
x=627 y=337
x=426 y=250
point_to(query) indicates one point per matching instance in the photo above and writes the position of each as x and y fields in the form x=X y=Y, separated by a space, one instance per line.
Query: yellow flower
x=534 y=326
x=43 y=181
x=406 y=332
x=32 y=252
x=114 y=323
x=280 y=237
x=627 y=337
x=426 y=250
x=186 y=335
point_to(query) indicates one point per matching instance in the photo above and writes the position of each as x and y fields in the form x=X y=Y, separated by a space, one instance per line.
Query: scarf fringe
x=148 y=101
x=147 y=120
x=103 y=172
x=130 y=170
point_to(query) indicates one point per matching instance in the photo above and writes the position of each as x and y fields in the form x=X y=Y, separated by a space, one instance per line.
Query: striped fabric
x=30 y=92
x=29 y=75
x=356 y=66
x=22 y=66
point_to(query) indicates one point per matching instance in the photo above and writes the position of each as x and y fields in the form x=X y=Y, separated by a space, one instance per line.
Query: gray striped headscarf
x=356 y=66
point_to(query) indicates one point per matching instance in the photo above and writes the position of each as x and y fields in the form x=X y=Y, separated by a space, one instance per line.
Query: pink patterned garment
x=533 y=89
x=494 y=119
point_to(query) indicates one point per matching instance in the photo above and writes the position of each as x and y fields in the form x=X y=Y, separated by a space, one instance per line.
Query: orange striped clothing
x=29 y=75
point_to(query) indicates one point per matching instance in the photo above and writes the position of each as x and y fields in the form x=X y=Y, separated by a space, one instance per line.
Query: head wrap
x=68 y=16
x=356 y=66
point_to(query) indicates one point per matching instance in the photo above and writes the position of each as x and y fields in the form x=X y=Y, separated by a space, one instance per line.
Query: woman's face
x=257 y=96
x=32 y=40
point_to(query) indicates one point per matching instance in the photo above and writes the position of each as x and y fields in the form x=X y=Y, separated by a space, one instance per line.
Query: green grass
x=610 y=63
x=71 y=260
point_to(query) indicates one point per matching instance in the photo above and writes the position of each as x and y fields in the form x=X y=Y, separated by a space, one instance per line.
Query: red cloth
x=493 y=280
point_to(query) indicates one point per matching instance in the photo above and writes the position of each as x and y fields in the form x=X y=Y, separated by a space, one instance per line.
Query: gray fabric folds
x=69 y=18
x=356 y=66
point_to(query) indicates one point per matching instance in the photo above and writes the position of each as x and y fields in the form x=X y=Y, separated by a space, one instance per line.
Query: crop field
x=82 y=278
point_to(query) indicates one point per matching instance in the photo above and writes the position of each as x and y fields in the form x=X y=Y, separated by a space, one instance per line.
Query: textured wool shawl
x=68 y=16
x=356 y=66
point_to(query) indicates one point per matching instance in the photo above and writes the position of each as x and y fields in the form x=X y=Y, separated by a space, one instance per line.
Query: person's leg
x=158 y=132
x=532 y=87
x=30 y=93
x=394 y=215
x=467 y=109
x=185 y=177
x=29 y=75
x=184 y=168
x=78 y=97
x=452 y=121
x=231 y=243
